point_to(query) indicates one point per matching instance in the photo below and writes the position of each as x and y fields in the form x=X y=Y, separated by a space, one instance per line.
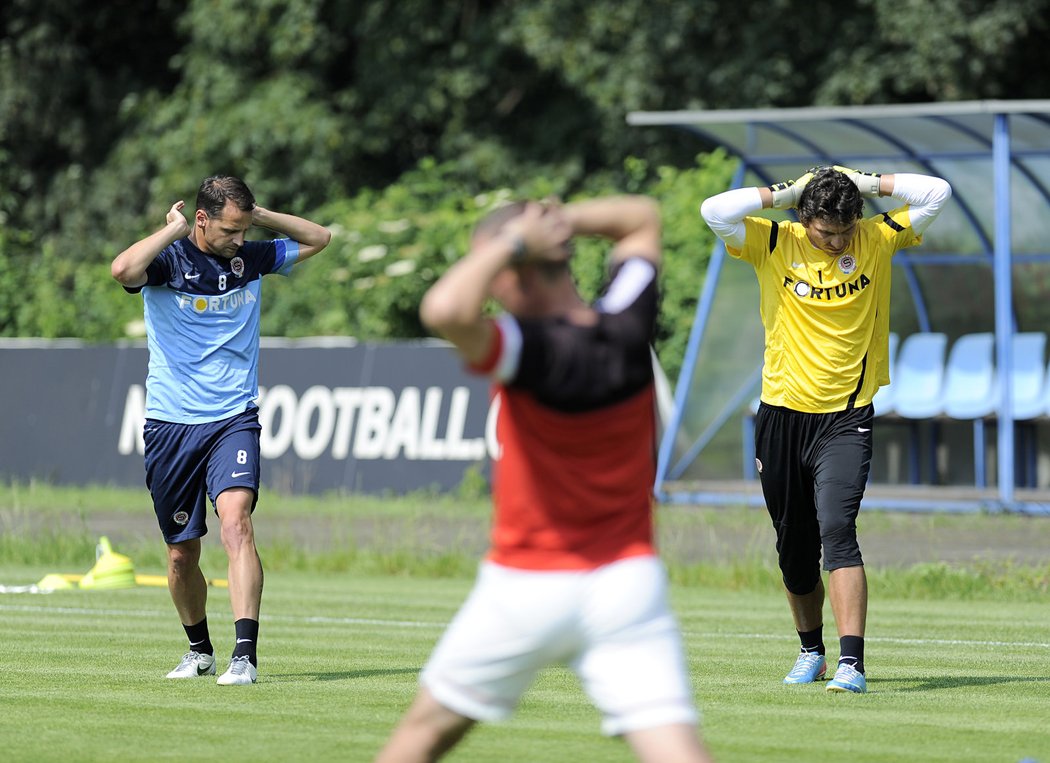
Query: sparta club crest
x=847 y=263
x=237 y=266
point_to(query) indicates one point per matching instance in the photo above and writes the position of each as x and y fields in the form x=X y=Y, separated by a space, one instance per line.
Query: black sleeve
x=158 y=273
x=573 y=367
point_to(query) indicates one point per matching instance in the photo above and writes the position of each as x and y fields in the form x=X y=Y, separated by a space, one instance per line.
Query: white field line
x=271 y=618
x=886 y=640
x=325 y=620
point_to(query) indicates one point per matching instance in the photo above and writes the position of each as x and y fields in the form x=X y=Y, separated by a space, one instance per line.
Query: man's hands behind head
x=787 y=194
x=867 y=183
x=176 y=216
x=542 y=230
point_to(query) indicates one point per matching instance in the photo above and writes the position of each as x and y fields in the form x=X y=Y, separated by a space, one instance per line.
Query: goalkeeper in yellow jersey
x=824 y=283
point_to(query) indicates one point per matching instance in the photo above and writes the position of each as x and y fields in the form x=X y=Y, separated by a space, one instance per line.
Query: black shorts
x=813 y=468
x=187 y=464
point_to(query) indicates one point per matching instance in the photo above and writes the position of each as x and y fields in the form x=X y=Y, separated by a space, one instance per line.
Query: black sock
x=851 y=650
x=200 y=641
x=247 y=634
x=812 y=641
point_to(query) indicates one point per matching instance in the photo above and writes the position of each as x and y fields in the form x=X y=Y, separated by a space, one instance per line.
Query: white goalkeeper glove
x=787 y=194
x=867 y=182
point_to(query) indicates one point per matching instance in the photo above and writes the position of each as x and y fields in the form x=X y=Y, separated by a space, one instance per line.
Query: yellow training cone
x=54 y=582
x=110 y=571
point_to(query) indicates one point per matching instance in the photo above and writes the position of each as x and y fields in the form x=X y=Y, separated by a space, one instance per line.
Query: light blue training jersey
x=202 y=328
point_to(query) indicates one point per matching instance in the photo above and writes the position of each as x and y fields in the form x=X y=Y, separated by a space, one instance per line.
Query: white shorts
x=612 y=626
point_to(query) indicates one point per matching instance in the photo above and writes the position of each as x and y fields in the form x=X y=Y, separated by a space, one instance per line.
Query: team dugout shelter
x=963 y=425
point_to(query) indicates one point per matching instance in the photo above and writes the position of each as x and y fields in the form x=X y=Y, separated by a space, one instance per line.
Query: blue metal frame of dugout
x=982 y=132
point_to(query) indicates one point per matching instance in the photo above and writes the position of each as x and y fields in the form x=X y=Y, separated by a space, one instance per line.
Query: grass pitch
x=340 y=653
x=958 y=648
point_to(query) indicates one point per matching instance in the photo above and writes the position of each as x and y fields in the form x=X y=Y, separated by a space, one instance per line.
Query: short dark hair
x=831 y=196
x=216 y=190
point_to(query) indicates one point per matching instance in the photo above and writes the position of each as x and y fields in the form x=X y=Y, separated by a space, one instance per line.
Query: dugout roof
x=984 y=264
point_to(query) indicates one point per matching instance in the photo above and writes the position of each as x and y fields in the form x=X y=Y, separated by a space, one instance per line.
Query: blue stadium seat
x=920 y=376
x=1031 y=393
x=918 y=395
x=970 y=387
x=885 y=399
x=750 y=471
x=930 y=383
x=971 y=391
x=1031 y=399
x=1046 y=393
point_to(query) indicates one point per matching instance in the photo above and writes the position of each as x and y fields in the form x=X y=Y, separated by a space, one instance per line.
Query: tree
x=940 y=50
x=108 y=114
x=65 y=66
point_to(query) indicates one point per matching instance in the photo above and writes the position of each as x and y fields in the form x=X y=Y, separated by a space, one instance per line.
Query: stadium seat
x=970 y=387
x=1031 y=400
x=884 y=400
x=1046 y=393
x=971 y=391
x=1031 y=395
x=918 y=389
x=750 y=472
x=920 y=376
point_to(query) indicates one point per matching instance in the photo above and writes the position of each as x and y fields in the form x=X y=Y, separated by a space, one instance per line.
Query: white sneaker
x=240 y=673
x=194 y=665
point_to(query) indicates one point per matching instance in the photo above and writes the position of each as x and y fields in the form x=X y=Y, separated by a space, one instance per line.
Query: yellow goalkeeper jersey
x=826 y=318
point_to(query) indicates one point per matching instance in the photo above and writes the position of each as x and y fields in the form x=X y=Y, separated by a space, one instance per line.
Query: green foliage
x=474 y=486
x=370 y=113
x=51 y=545
x=11 y=280
x=688 y=243
x=941 y=50
x=981 y=581
x=388 y=247
x=439 y=536
x=65 y=66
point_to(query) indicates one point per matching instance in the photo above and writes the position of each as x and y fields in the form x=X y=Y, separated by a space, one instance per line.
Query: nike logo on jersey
x=189 y=277
x=796 y=264
x=235 y=475
x=862 y=429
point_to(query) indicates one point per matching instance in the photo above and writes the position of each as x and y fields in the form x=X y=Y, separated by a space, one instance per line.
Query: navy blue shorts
x=188 y=464
x=813 y=468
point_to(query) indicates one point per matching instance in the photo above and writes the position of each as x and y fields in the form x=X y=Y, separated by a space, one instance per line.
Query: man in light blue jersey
x=201 y=284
